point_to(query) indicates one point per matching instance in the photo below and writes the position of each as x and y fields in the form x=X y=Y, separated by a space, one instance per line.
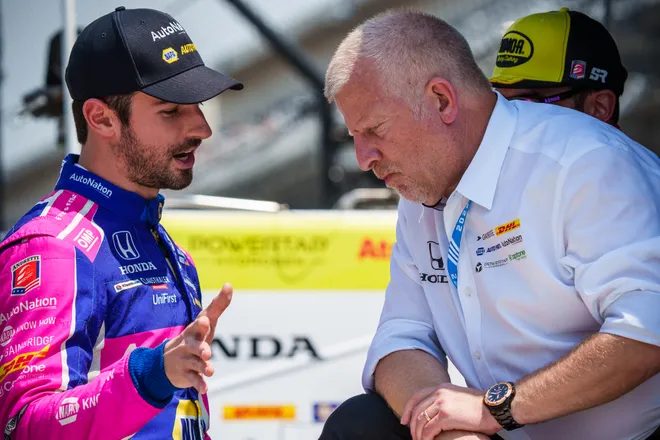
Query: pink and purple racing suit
x=91 y=286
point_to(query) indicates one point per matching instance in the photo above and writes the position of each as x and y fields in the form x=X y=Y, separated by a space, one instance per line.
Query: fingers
x=199 y=366
x=196 y=381
x=187 y=357
x=423 y=418
x=196 y=347
x=198 y=329
x=462 y=435
x=219 y=304
x=412 y=403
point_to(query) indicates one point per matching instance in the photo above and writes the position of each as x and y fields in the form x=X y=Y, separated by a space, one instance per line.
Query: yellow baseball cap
x=556 y=48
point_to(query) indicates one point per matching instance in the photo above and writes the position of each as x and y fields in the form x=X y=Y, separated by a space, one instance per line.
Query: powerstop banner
x=288 y=250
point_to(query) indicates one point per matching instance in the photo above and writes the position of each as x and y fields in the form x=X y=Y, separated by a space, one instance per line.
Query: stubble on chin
x=146 y=167
x=412 y=192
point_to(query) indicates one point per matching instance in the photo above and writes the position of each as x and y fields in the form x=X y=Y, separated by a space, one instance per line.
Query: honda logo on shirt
x=125 y=246
x=436 y=258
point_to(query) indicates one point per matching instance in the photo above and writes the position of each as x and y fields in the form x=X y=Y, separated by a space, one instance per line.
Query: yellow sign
x=338 y=250
x=259 y=412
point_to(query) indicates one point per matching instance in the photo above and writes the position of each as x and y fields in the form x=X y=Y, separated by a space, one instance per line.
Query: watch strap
x=502 y=412
x=504 y=418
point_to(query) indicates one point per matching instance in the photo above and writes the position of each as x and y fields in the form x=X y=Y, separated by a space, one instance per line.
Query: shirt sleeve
x=610 y=216
x=52 y=314
x=406 y=322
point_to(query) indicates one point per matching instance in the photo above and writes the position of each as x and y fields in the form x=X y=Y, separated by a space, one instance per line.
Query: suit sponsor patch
x=26 y=275
x=21 y=361
x=125 y=285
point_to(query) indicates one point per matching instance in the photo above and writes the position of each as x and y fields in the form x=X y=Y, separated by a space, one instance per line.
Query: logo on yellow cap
x=170 y=55
x=515 y=49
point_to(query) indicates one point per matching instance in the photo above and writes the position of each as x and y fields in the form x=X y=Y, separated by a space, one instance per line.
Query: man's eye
x=170 y=111
x=378 y=131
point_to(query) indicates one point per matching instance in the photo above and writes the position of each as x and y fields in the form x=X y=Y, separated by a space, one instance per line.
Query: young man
x=527 y=250
x=561 y=57
x=103 y=332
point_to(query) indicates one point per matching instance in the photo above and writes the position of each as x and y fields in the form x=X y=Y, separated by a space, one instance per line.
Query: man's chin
x=182 y=180
x=408 y=195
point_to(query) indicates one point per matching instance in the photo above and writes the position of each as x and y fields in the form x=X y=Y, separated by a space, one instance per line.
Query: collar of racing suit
x=123 y=203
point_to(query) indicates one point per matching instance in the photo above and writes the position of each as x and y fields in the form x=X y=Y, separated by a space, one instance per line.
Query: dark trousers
x=365 y=417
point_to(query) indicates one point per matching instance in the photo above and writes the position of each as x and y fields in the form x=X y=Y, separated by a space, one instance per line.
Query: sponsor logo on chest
x=163 y=298
x=137 y=268
x=437 y=264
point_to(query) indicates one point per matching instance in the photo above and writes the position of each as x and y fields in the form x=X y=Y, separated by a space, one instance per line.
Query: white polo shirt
x=562 y=240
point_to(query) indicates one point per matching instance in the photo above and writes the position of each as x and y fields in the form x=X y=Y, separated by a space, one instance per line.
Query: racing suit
x=86 y=276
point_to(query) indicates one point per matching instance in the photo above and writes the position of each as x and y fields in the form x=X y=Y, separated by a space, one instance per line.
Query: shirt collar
x=479 y=181
x=123 y=203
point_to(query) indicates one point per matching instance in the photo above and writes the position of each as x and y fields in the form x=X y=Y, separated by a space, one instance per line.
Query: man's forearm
x=597 y=371
x=400 y=374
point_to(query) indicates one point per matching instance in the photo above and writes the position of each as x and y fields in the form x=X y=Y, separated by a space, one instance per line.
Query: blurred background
x=276 y=140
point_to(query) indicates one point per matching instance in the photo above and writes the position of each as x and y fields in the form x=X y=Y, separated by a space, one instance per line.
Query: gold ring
x=428 y=419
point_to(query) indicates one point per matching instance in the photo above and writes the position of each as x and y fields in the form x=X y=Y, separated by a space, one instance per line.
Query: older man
x=528 y=243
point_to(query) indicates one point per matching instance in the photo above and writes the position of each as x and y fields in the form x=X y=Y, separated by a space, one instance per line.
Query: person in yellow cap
x=561 y=57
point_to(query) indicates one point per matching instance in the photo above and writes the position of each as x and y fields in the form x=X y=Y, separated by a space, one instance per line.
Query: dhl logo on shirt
x=21 y=361
x=507 y=227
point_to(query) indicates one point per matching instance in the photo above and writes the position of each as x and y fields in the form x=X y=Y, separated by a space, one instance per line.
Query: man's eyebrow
x=371 y=123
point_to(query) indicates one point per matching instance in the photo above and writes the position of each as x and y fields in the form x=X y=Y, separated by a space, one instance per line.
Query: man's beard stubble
x=409 y=187
x=149 y=167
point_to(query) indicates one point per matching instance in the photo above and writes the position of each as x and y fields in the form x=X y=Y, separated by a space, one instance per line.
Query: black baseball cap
x=130 y=50
x=557 y=48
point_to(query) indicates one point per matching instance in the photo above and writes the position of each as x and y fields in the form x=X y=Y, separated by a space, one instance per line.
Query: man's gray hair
x=408 y=48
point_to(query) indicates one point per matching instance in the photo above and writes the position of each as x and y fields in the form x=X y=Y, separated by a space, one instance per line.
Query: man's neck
x=477 y=111
x=99 y=160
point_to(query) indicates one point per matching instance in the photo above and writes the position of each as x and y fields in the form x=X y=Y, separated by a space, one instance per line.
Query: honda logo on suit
x=125 y=246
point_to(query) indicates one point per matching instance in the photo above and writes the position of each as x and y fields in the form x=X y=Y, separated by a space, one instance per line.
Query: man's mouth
x=186 y=158
x=385 y=175
x=183 y=155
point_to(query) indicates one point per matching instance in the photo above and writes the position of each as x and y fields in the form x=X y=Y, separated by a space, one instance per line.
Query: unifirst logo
x=170 y=55
x=172 y=28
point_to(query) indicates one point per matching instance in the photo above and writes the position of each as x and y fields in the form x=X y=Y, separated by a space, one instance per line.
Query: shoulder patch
x=26 y=275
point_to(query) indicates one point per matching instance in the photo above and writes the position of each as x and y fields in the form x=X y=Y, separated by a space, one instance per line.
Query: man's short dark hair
x=120 y=104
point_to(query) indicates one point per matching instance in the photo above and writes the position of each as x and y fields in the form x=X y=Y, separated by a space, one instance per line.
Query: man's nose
x=367 y=155
x=200 y=127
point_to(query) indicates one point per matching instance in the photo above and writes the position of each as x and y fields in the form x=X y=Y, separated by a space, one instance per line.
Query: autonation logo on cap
x=107 y=192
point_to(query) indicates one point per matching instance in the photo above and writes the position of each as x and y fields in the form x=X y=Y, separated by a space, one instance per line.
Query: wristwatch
x=498 y=401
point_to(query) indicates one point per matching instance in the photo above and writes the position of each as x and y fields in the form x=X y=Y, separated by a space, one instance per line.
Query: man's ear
x=101 y=120
x=443 y=94
x=600 y=104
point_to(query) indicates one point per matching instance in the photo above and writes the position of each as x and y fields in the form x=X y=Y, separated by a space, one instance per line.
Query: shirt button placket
x=471 y=312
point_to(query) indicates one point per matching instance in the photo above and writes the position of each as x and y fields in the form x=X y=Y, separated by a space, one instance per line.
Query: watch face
x=498 y=393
